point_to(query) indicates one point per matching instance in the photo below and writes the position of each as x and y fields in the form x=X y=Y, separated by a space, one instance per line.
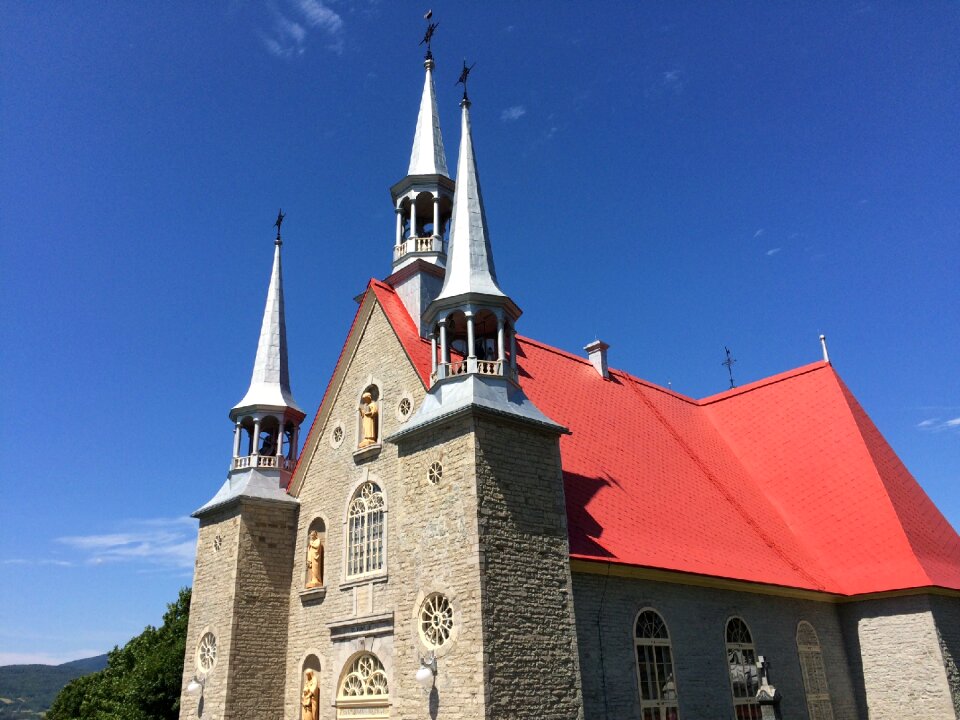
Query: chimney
x=597 y=352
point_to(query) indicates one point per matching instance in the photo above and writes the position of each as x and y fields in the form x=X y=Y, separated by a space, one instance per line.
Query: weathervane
x=729 y=363
x=463 y=78
x=428 y=36
x=277 y=224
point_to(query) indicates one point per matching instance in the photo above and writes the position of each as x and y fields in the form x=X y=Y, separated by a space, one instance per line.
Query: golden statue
x=368 y=417
x=310 y=697
x=315 y=560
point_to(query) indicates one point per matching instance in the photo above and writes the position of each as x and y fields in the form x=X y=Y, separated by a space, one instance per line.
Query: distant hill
x=26 y=691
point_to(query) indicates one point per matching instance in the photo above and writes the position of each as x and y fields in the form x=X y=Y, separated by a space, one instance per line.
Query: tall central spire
x=422 y=200
x=470 y=266
x=427 y=157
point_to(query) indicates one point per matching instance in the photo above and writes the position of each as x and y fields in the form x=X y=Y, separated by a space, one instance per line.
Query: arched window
x=363 y=689
x=365 y=530
x=814 y=675
x=655 y=676
x=742 y=664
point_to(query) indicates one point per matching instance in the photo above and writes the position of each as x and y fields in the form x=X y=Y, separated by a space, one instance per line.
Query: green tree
x=142 y=679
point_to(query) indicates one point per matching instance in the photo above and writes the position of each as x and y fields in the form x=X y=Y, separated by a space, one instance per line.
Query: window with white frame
x=365 y=531
x=814 y=675
x=742 y=665
x=655 y=674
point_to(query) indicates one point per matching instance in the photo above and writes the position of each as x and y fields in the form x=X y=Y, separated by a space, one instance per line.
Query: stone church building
x=480 y=525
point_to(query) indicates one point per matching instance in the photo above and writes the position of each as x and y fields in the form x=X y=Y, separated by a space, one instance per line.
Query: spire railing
x=426 y=244
x=264 y=461
x=466 y=366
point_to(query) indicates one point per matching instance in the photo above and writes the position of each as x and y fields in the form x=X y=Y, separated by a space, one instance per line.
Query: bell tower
x=267 y=419
x=237 y=634
x=514 y=562
x=423 y=203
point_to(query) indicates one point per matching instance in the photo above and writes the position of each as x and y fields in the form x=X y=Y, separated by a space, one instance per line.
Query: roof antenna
x=823 y=346
x=729 y=363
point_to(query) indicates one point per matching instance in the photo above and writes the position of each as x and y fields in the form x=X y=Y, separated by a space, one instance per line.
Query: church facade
x=479 y=525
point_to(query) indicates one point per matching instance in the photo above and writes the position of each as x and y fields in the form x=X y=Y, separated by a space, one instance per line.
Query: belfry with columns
x=482 y=526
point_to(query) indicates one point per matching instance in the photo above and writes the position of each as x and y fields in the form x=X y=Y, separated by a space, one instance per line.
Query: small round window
x=436 y=620
x=435 y=473
x=404 y=407
x=207 y=652
x=336 y=435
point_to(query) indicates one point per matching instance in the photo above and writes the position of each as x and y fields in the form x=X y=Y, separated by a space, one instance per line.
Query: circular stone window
x=404 y=407
x=218 y=543
x=207 y=652
x=337 y=435
x=435 y=473
x=436 y=620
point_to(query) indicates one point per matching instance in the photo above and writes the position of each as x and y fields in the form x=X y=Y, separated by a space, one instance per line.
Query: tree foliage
x=142 y=679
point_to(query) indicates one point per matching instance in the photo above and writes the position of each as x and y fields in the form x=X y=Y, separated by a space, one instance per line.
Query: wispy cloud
x=289 y=32
x=673 y=80
x=319 y=15
x=158 y=543
x=938 y=425
x=758 y=233
x=513 y=113
x=34 y=563
x=773 y=251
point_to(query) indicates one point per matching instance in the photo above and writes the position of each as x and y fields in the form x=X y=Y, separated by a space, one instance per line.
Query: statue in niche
x=368 y=418
x=314 y=560
x=310 y=697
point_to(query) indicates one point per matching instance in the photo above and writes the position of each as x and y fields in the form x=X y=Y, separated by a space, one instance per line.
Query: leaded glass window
x=363 y=690
x=365 y=530
x=742 y=664
x=814 y=675
x=655 y=674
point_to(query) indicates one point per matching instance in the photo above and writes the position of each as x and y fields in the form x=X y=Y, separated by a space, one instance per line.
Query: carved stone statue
x=310 y=697
x=314 y=560
x=368 y=417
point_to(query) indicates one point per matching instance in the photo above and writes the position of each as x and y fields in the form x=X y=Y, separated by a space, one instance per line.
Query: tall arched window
x=814 y=675
x=363 y=690
x=655 y=676
x=365 y=530
x=742 y=664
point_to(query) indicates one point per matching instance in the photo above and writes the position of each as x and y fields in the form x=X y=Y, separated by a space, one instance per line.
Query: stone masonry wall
x=258 y=651
x=211 y=608
x=530 y=642
x=946 y=615
x=894 y=645
x=696 y=617
x=430 y=547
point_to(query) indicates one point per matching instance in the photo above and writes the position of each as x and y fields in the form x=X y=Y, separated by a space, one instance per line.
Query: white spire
x=427 y=157
x=270 y=383
x=469 y=257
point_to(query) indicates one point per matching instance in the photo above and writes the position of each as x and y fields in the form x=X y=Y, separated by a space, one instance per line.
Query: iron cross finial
x=463 y=77
x=428 y=36
x=729 y=363
x=277 y=224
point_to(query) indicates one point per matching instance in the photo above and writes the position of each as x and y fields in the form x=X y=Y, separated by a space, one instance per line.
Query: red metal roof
x=785 y=481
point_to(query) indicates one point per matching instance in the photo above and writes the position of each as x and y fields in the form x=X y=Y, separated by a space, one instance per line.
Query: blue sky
x=670 y=177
